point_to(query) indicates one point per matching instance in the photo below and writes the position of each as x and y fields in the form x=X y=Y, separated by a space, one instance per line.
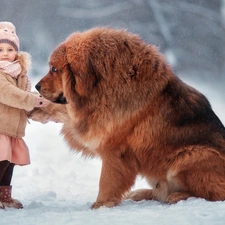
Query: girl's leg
x=6 y=189
x=7 y=176
x=3 y=166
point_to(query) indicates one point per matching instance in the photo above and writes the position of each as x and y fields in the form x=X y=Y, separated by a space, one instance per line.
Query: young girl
x=15 y=101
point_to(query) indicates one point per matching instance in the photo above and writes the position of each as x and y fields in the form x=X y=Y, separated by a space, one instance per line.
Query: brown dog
x=125 y=105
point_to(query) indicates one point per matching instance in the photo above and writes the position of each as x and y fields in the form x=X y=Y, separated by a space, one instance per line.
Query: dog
x=125 y=105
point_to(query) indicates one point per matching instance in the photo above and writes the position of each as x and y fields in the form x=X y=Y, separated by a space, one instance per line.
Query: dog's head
x=68 y=72
x=101 y=68
x=50 y=86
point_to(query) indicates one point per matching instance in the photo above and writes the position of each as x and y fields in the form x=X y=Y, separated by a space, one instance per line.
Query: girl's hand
x=40 y=101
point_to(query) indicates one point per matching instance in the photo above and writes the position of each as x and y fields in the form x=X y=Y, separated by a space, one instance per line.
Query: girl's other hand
x=40 y=101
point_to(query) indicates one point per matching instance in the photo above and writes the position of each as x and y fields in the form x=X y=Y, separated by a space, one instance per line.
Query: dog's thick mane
x=187 y=106
x=137 y=69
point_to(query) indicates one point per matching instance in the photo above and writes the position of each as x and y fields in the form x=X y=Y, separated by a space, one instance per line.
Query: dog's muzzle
x=60 y=99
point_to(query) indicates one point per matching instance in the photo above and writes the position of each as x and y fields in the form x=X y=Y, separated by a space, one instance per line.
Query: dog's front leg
x=117 y=177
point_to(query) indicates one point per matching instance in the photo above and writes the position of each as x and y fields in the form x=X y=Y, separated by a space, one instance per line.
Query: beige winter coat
x=15 y=101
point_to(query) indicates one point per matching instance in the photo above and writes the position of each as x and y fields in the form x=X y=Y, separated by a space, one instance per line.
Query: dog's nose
x=38 y=86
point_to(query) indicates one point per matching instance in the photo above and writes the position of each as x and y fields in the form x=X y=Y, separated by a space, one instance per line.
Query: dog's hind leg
x=160 y=191
x=202 y=178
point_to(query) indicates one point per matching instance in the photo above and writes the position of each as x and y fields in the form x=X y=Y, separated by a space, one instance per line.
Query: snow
x=59 y=186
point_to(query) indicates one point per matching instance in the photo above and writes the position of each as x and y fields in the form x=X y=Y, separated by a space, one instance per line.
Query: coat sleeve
x=13 y=96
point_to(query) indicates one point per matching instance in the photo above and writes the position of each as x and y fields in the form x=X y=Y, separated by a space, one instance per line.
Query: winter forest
x=59 y=186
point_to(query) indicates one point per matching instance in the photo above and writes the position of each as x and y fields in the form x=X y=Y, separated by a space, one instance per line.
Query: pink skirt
x=14 y=150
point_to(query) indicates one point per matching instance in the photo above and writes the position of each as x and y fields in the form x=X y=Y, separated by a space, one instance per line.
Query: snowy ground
x=59 y=187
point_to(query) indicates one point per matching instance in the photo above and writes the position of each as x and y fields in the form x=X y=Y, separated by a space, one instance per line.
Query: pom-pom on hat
x=8 y=34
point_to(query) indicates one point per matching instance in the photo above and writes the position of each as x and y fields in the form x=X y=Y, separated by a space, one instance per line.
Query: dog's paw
x=139 y=195
x=108 y=204
x=96 y=205
x=177 y=196
x=133 y=195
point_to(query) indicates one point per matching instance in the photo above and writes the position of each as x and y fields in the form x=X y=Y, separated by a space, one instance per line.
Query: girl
x=15 y=101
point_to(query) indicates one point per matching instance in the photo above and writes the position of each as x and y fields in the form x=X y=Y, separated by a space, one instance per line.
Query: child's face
x=7 y=52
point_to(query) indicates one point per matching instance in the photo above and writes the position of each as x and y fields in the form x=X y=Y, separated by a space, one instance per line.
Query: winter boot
x=7 y=200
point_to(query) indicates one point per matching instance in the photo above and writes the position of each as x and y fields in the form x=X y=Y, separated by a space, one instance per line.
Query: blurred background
x=191 y=33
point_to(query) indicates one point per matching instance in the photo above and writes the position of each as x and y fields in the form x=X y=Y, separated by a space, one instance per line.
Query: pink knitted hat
x=8 y=34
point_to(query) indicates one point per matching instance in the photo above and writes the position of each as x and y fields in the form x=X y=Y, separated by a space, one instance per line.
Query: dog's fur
x=125 y=105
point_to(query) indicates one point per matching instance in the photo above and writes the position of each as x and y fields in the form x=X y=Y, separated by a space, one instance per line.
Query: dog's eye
x=53 y=69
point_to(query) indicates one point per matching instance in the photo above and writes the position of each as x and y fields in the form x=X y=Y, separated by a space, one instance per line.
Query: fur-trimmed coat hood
x=14 y=100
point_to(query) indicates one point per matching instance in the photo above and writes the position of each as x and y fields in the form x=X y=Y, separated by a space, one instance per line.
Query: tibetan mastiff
x=125 y=105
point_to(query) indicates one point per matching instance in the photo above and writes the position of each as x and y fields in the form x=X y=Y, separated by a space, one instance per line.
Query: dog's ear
x=83 y=79
x=83 y=73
